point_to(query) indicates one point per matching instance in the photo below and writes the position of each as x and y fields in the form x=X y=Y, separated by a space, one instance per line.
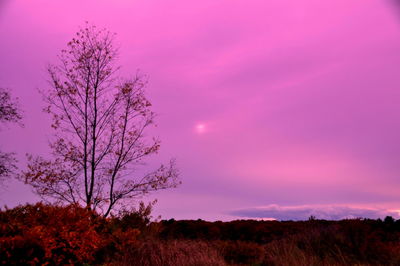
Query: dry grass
x=287 y=253
x=153 y=252
x=284 y=252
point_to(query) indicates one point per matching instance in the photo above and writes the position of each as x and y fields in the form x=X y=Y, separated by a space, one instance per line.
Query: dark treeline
x=263 y=232
x=53 y=235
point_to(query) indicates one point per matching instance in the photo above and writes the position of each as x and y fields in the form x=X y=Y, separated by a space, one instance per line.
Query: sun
x=200 y=128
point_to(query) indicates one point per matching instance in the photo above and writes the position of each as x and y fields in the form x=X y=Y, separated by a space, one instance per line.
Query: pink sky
x=286 y=103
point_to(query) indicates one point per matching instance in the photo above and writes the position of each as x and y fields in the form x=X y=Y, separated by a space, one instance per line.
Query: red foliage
x=49 y=235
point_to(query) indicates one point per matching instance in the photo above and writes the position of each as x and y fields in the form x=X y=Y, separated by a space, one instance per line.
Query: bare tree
x=9 y=113
x=100 y=122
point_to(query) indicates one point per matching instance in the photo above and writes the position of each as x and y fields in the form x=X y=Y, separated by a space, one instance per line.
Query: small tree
x=9 y=113
x=100 y=121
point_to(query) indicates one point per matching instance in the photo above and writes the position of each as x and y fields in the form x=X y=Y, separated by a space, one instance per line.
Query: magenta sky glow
x=268 y=106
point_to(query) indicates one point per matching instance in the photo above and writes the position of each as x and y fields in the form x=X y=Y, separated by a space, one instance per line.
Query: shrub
x=48 y=234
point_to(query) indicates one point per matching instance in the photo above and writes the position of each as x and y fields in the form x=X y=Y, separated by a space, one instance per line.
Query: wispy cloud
x=303 y=212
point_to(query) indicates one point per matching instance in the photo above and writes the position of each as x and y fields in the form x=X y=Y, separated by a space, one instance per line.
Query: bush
x=48 y=234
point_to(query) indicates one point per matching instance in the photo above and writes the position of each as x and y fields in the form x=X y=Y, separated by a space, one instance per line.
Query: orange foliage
x=49 y=234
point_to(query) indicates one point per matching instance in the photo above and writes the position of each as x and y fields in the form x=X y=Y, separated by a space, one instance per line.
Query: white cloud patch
x=303 y=212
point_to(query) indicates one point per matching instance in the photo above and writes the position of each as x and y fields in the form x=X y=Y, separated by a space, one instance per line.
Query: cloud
x=303 y=212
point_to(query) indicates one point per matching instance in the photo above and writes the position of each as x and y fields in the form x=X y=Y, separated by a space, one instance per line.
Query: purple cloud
x=303 y=212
